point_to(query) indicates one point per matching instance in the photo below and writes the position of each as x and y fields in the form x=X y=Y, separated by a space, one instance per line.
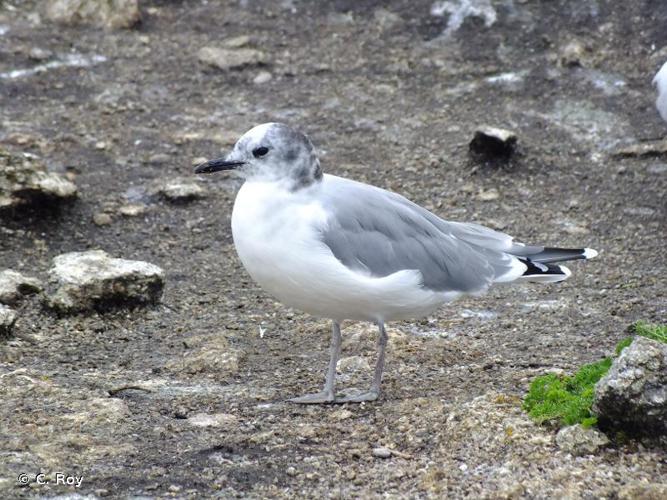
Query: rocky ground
x=186 y=398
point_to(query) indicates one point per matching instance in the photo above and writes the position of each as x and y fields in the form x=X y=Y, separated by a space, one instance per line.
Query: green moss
x=623 y=344
x=655 y=332
x=567 y=400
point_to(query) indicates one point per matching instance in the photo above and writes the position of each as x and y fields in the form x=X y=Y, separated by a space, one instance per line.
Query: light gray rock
x=573 y=53
x=352 y=364
x=646 y=149
x=39 y=54
x=102 y=219
x=14 y=285
x=579 y=440
x=209 y=355
x=238 y=41
x=228 y=59
x=93 y=279
x=110 y=14
x=632 y=396
x=381 y=452
x=25 y=180
x=262 y=78
x=213 y=420
x=7 y=320
x=178 y=189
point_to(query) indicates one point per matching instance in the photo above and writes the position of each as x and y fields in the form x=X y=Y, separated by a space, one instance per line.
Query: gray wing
x=379 y=233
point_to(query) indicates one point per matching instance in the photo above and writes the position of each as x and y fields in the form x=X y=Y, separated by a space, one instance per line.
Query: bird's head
x=271 y=152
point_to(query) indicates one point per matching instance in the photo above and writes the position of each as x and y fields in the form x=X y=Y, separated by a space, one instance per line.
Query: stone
x=352 y=364
x=262 y=77
x=24 y=180
x=488 y=195
x=237 y=42
x=179 y=189
x=493 y=142
x=159 y=159
x=14 y=285
x=573 y=53
x=109 y=14
x=210 y=355
x=579 y=440
x=132 y=209
x=39 y=54
x=7 y=320
x=646 y=149
x=632 y=396
x=102 y=219
x=89 y=280
x=381 y=452
x=229 y=59
x=212 y=420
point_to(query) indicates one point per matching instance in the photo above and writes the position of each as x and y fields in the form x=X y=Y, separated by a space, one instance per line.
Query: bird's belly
x=280 y=247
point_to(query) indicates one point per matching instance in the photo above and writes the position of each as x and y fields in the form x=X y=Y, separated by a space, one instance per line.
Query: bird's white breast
x=277 y=237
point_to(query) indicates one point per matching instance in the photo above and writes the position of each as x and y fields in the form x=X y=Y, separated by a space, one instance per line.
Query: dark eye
x=259 y=152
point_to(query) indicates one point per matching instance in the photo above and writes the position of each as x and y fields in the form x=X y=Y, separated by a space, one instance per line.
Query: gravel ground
x=186 y=399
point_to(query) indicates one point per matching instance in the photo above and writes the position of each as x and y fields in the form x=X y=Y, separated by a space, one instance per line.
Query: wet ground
x=187 y=399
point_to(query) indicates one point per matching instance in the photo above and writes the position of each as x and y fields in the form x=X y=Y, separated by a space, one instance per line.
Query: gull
x=660 y=81
x=343 y=250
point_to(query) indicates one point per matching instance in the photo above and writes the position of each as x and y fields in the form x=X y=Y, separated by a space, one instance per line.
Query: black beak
x=216 y=165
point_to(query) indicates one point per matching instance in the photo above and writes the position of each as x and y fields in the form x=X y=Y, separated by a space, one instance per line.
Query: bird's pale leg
x=327 y=394
x=374 y=391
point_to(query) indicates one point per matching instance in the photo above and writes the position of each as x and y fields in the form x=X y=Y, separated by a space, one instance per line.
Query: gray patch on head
x=298 y=154
x=291 y=154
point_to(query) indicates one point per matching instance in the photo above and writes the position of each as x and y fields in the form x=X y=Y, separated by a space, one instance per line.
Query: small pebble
x=381 y=452
x=132 y=210
x=102 y=219
x=159 y=158
x=262 y=77
x=39 y=54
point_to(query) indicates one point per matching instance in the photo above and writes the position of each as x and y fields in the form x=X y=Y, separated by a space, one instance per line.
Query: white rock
x=179 y=189
x=226 y=59
x=39 y=54
x=459 y=10
x=85 y=280
x=237 y=42
x=132 y=209
x=24 y=180
x=352 y=364
x=14 y=285
x=579 y=440
x=212 y=420
x=111 y=14
x=381 y=452
x=262 y=77
x=102 y=219
x=660 y=81
x=7 y=320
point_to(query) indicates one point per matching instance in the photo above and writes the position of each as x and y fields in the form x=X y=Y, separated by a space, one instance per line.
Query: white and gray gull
x=341 y=249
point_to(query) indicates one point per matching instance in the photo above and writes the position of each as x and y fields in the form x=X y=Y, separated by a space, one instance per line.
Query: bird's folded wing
x=378 y=233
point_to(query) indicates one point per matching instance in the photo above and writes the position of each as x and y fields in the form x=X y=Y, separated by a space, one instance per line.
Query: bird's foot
x=357 y=396
x=321 y=397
